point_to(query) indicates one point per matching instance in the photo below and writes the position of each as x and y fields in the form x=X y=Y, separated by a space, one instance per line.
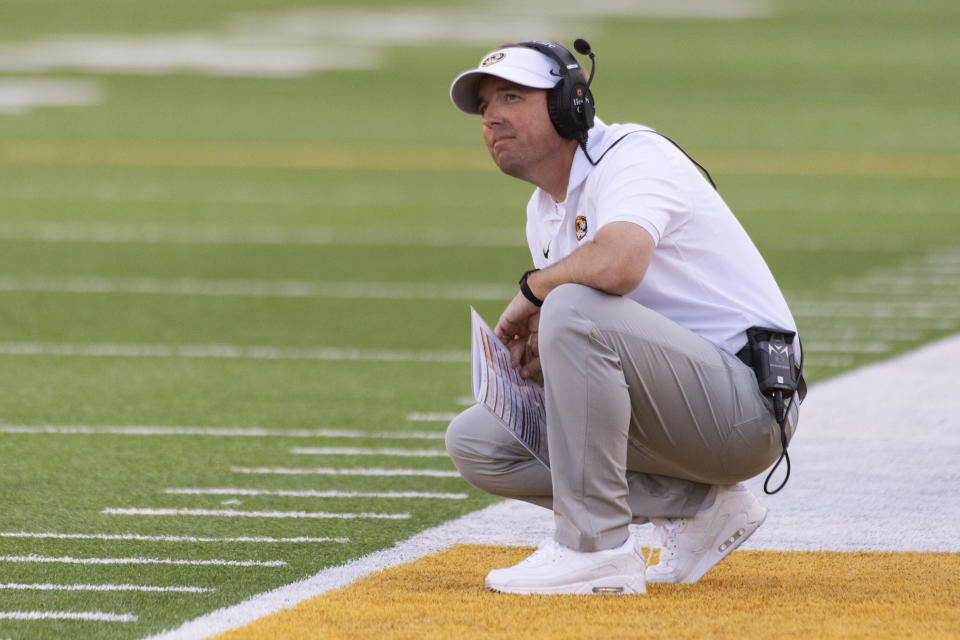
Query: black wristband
x=525 y=289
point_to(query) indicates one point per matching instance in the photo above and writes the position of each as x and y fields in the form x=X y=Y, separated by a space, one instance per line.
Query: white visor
x=526 y=67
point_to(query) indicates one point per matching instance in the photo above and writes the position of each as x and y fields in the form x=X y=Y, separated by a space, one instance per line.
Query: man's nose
x=491 y=115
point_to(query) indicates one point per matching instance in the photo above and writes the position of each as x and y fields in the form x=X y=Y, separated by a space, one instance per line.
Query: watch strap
x=525 y=289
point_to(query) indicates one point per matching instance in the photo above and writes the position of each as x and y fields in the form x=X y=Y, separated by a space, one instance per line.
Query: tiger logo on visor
x=493 y=59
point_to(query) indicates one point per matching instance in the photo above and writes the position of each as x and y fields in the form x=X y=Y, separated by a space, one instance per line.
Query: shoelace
x=546 y=546
x=665 y=534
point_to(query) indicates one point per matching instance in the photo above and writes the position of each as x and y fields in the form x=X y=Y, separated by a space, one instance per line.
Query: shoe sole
x=605 y=586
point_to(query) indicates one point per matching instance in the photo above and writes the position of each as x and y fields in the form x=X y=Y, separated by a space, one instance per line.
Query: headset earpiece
x=570 y=103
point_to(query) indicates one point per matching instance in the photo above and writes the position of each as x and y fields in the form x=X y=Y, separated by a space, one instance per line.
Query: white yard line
x=33 y=558
x=102 y=587
x=856 y=311
x=909 y=281
x=923 y=292
x=294 y=43
x=843 y=304
x=313 y=493
x=268 y=235
x=144 y=538
x=296 y=235
x=95 y=616
x=234 y=513
x=229 y=351
x=826 y=325
x=219 y=432
x=434 y=416
x=943 y=268
x=358 y=451
x=19 y=95
x=257 y=288
x=193 y=52
x=867 y=332
x=477 y=23
x=845 y=346
x=836 y=362
x=326 y=471
x=915 y=276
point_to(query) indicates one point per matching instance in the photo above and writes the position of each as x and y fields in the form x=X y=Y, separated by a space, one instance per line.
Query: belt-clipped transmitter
x=769 y=352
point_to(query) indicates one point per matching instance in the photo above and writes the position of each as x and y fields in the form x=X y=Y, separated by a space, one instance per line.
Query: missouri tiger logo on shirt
x=581 y=227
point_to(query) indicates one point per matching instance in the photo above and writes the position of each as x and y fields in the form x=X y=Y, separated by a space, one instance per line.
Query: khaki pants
x=643 y=417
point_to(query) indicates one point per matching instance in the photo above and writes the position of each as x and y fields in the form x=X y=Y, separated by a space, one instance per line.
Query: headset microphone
x=583 y=48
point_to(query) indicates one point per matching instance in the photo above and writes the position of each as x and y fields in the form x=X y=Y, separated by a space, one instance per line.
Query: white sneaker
x=553 y=568
x=689 y=547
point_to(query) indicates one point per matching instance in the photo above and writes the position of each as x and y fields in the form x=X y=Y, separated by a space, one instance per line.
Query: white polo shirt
x=705 y=273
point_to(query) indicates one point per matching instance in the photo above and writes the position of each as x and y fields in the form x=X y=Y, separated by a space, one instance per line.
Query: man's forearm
x=614 y=262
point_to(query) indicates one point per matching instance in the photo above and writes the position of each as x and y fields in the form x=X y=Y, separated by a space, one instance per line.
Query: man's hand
x=613 y=262
x=517 y=329
x=514 y=322
x=530 y=362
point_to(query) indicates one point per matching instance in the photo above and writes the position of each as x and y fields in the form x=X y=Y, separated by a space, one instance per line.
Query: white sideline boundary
x=874 y=462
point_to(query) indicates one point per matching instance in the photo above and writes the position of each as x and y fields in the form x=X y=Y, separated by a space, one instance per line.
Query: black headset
x=570 y=103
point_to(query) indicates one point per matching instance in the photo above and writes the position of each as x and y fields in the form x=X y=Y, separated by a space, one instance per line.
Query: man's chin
x=510 y=166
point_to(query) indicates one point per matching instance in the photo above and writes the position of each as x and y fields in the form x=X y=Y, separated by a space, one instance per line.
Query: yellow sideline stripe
x=753 y=594
x=442 y=158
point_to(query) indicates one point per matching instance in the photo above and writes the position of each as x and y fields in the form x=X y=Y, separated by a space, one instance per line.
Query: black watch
x=525 y=289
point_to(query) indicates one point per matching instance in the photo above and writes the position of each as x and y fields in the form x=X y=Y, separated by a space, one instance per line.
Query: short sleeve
x=640 y=183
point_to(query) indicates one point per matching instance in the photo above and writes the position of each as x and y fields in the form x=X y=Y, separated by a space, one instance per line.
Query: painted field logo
x=581 y=227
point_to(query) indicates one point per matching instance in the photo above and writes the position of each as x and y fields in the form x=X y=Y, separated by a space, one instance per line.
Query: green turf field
x=194 y=249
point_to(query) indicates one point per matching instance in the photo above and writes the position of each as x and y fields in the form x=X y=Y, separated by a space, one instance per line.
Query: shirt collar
x=596 y=145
